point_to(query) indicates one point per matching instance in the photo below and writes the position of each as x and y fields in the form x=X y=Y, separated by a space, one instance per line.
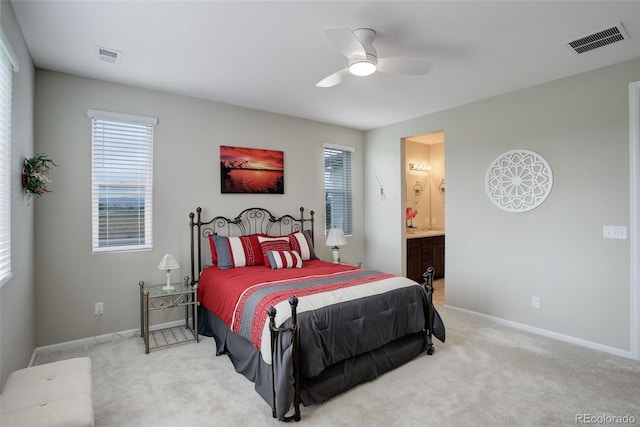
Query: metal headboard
x=249 y=221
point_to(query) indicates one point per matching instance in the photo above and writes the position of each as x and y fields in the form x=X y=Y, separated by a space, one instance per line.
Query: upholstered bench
x=54 y=394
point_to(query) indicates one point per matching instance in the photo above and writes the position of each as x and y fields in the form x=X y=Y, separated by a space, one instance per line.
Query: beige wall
x=70 y=279
x=436 y=152
x=495 y=260
x=17 y=317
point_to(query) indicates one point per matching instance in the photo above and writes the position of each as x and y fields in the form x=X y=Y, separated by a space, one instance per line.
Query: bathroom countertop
x=430 y=233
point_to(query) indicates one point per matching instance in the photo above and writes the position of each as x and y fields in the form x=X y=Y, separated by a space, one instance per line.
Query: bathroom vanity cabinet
x=424 y=251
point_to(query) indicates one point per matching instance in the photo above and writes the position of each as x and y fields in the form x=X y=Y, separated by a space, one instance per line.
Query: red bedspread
x=240 y=297
x=219 y=290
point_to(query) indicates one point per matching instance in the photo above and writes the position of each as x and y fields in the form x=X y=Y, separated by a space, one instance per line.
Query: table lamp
x=335 y=238
x=167 y=264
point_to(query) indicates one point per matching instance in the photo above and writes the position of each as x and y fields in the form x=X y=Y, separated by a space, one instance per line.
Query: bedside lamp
x=335 y=238
x=167 y=264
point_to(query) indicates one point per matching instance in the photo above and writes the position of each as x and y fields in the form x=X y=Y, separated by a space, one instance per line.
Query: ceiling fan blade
x=401 y=65
x=346 y=41
x=335 y=78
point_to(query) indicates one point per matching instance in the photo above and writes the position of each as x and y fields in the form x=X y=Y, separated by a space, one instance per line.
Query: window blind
x=8 y=63
x=122 y=183
x=337 y=184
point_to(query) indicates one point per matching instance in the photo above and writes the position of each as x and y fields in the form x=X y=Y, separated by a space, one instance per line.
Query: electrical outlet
x=535 y=302
x=99 y=309
x=433 y=220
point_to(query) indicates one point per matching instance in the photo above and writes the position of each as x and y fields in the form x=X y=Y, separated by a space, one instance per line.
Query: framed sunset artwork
x=251 y=170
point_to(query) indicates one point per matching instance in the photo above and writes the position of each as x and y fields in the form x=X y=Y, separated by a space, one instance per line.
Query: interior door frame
x=634 y=221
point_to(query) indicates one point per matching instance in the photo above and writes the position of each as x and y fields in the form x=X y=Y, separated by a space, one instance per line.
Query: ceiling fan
x=357 y=46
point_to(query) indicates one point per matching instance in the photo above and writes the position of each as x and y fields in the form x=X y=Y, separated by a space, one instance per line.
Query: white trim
x=6 y=279
x=339 y=147
x=6 y=88
x=15 y=64
x=113 y=141
x=100 y=339
x=99 y=114
x=634 y=220
x=549 y=334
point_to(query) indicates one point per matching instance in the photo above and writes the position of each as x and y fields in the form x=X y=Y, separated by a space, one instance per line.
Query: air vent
x=108 y=55
x=598 y=39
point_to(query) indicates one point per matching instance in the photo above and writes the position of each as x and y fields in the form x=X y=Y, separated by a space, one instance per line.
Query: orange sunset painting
x=251 y=170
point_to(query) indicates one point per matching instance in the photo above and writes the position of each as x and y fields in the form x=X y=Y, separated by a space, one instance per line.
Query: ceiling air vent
x=598 y=39
x=108 y=55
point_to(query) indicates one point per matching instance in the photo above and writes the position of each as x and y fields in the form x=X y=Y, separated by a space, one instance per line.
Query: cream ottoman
x=55 y=394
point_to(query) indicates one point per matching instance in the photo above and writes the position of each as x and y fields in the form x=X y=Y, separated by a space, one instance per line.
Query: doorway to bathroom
x=425 y=189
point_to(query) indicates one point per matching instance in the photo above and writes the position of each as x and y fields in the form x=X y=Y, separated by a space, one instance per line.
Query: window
x=337 y=185
x=122 y=181
x=8 y=64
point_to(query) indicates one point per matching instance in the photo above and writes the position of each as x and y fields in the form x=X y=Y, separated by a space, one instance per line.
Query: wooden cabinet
x=422 y=253
x=413 y=259
x=438 y=256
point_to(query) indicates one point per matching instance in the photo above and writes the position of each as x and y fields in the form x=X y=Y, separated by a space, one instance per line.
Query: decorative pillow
x=214 y=253
x=273 y=244
x=284 y=259
x=237 y=251
x=301 y=243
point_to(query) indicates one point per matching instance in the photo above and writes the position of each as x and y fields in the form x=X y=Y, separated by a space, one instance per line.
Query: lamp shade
x=335 y=237
x=168 y=263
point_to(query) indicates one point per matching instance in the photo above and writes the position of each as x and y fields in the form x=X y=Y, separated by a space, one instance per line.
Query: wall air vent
x=598 y=39
x=108 y=55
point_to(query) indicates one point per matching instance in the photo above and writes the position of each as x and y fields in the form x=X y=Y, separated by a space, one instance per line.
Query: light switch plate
x=614 y=232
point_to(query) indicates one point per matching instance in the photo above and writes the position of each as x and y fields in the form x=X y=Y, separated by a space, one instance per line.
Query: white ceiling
x=268 y=55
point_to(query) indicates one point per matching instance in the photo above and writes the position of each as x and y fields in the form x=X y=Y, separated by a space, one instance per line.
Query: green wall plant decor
x=35 y=171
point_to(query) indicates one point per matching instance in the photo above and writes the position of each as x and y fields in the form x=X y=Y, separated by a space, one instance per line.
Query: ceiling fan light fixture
x=357 y=47
x=362 y=68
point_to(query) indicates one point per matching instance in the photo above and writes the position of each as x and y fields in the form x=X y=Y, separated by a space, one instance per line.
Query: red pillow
x=272 y=244
x=301 y=243
x=250 y=246
x=256 y=249
x=214 y=253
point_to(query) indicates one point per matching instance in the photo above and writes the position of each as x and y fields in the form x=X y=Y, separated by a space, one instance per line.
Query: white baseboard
x=550 y=334
x=539 y=331
x=100 y=339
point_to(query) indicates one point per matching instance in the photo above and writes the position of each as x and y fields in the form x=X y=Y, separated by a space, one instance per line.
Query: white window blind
x=122 y=181
x=337 y=184
x=8 y=63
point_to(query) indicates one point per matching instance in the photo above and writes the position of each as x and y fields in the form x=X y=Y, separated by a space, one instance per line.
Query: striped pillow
x=301 y=243
x=232 y=252
x=284 y=259
x=273 y=244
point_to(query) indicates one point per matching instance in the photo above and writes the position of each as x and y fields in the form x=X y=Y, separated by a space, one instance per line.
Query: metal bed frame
x=260 y=220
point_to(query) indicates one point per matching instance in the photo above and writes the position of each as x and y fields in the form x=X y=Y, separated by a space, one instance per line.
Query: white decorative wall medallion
x=518 y=181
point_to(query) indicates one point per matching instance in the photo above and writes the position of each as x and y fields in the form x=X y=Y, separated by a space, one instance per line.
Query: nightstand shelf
x=156 y=298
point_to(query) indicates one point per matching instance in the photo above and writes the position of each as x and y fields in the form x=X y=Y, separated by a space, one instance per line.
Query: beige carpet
x=484 y=375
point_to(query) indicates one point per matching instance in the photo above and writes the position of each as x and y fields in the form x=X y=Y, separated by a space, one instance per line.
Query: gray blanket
x=341 y=345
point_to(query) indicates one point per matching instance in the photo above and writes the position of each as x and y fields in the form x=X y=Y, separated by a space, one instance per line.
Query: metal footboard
x=428 y=286
x=275 y=331
x=294 y=330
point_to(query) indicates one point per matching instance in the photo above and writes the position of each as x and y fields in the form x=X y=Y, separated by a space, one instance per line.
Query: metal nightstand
x=155 y=298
